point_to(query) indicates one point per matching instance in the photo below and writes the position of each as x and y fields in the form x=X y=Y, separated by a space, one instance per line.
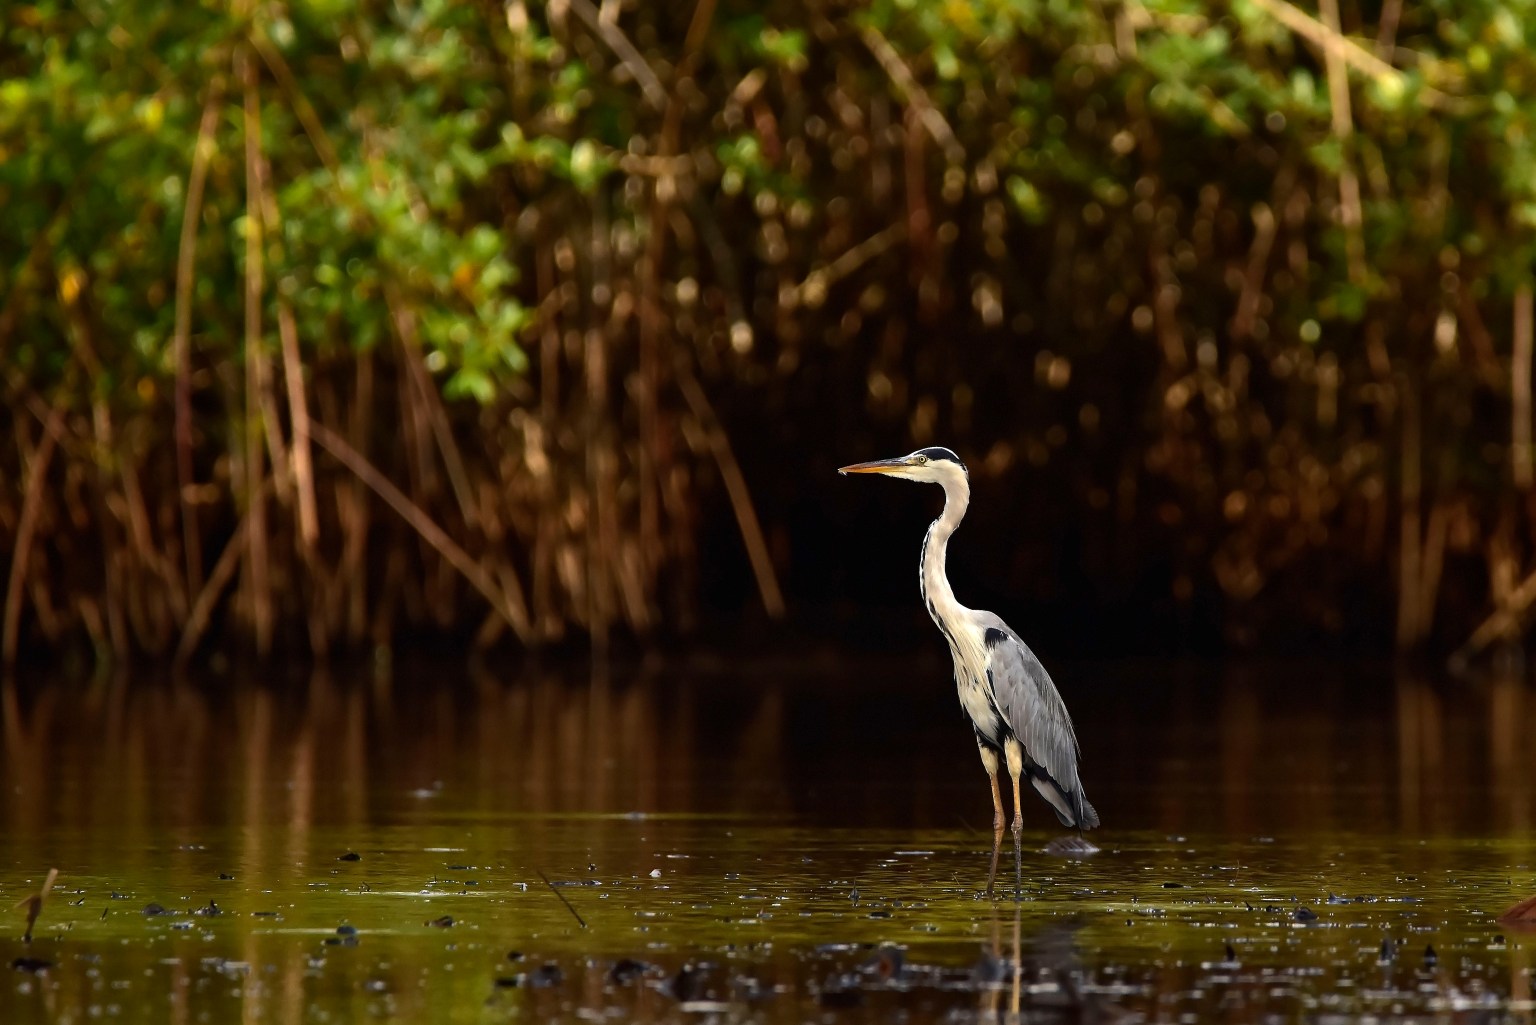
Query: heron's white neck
x=937 y=595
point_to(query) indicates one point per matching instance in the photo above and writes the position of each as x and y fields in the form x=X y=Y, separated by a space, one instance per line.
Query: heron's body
x=1015 y=710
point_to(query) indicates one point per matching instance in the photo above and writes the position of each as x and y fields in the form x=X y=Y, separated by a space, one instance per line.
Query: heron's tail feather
x=1071 y=806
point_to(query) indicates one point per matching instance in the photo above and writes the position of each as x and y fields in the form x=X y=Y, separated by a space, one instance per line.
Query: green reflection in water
x=748 y=856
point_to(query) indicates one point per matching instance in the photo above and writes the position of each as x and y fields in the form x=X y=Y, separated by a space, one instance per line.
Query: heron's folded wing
x=1032 y=706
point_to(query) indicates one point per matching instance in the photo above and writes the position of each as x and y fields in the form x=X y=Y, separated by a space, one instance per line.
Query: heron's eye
x=921 y=459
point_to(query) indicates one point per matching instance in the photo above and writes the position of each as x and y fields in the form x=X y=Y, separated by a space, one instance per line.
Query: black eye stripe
x=939 y=454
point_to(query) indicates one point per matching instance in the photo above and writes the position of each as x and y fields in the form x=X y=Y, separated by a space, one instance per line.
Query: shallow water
x=785 y=845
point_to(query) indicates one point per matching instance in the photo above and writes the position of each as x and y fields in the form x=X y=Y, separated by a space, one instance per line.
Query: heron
x=1018 y=716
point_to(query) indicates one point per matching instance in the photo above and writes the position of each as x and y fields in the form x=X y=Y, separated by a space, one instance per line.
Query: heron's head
x=935 y=465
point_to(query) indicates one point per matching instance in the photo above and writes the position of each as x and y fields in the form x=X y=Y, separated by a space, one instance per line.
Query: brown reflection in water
x=145 y=765
x=1509 y=756
x=1282 y=751
x=153 y=764
x=1240 y=742
x=1421 y=753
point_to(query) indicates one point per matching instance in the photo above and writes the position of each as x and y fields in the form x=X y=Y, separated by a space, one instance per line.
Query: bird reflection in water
x=1042 y=975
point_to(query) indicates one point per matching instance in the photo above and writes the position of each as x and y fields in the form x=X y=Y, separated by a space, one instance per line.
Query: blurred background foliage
x=327 y=323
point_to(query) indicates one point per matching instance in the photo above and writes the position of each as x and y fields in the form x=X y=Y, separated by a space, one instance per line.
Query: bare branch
x=509 y=607
x=186 y=266
x=1350 y=52
x=614 y=38
x=896 y=69
x=736 y=489
x=813 y=290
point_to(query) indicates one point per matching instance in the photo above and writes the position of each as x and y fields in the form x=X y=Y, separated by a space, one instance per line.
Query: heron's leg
x=989 y=762
x=1015 y=754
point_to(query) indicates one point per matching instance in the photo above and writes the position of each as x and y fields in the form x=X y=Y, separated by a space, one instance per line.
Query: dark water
x=781 y=844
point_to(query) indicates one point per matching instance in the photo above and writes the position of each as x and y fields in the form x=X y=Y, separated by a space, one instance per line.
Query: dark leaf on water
x=626 y=969
x=350 y=856
x=887 y=963
x=31 y=964
x=155 y=909
x=442 y=922
x=549 y=974
x=508 y=981
x=988 y=970
x=685 y=984
x=838 y=998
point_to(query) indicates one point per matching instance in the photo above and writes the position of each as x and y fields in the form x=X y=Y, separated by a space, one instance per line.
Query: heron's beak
x=877 y=466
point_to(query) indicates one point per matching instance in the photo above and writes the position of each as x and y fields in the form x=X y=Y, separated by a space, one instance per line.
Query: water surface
x=1281 y=843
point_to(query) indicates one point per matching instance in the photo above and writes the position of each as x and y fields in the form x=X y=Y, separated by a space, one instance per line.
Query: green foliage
x=99 y=119
x=1156 y=206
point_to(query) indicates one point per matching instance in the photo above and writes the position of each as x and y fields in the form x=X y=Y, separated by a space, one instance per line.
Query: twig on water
x=34 y=903
x=556 y=891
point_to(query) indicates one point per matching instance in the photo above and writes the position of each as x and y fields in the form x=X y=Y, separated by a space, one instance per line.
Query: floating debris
x=1522 y=915
x=549 y=974
x=441 y=922
x=151 y=910
x=840 y=998
x=350 y=856
x=1305 y=915
x=579 y=920
x=685 y=984
x=32 y=965
x=887 y=964
x=34 y=903
x=346 y=936
x=627 y=969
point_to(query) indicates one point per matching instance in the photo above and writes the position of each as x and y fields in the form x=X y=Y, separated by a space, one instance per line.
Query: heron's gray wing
x=1033 y=709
